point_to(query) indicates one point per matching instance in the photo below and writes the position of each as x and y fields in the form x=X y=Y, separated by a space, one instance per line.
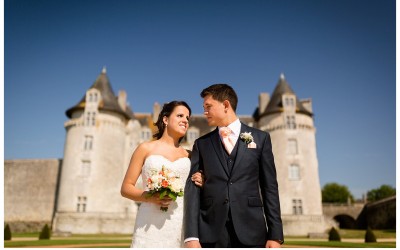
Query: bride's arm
x=198 y=178
x=128 y=188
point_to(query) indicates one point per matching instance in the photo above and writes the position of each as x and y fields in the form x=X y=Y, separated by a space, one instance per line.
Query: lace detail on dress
x=153 y=227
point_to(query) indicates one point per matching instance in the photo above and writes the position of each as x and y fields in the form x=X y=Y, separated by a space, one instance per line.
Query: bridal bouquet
x=164 y=183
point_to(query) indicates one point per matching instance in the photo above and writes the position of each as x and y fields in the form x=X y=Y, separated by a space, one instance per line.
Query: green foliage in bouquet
x=164 y=183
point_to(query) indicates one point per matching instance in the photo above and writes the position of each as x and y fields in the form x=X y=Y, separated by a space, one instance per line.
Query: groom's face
x=214 y=111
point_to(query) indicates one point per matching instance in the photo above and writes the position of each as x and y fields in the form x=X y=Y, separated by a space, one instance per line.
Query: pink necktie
x=226 y=140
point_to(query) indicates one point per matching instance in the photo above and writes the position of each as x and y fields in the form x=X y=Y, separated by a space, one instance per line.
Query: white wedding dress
x=154 y=227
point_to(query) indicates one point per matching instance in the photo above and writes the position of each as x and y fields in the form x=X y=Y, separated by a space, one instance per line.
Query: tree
x=334 y=235
x=369 y=236
x=380 y=193
x=45 y=233
x=7 y=233
x=333 y=192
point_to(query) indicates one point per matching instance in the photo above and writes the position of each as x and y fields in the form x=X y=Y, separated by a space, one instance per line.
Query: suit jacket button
x=226 y=201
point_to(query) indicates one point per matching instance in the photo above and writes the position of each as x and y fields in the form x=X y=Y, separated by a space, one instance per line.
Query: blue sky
x=340 y=53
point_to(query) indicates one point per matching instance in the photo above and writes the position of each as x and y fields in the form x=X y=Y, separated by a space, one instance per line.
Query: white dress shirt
x=235 y=128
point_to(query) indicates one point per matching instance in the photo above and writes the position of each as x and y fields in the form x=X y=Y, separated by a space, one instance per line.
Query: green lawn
x=290 y=243
x=360 y=234
x=124 y=240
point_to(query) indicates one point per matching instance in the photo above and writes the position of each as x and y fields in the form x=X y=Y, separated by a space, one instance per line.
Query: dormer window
x=289 y=101
x=92 y=96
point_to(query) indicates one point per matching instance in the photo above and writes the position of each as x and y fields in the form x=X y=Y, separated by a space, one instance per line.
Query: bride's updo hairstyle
x=167 y=109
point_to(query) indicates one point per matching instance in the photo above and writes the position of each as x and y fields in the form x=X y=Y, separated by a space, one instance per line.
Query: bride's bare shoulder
x=146 y=147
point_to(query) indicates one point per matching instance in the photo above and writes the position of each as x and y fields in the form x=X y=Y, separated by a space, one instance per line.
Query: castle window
x=192 y=135
x=294 y=172
x=87 y=118
x=297 y=206
x=292 y=147
x=85 y=170
x=289 y=101
x=92 y=97
x=81 y=204
x=93 y=118
x=146 y=134
x=290 y=122
x=90 y=119
x=88 y=143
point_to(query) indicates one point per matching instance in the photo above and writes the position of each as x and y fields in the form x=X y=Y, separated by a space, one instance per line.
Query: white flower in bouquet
x=164 y=183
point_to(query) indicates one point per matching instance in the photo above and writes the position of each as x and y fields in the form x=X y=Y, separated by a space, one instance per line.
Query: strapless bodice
x=153 y=227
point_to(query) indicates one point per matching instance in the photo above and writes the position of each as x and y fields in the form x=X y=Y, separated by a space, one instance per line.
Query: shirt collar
x=235 y=127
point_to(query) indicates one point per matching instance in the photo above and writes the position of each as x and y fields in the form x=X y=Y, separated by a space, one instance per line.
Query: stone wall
x=379 y=215
x=30 y=193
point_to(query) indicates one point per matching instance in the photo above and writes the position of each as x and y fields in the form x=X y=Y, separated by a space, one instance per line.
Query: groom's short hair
x=221 y=92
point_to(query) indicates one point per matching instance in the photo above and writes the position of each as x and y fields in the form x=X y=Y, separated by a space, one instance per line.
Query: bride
x=155 y=227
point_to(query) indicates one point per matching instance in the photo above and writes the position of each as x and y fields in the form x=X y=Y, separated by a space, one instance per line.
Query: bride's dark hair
x=167 y=109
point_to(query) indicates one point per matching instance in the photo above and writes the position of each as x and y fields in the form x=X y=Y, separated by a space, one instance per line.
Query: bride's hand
x=164 y=202
x=198 y=178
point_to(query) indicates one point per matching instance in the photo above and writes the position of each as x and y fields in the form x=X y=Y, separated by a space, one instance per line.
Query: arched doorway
x=345 y=221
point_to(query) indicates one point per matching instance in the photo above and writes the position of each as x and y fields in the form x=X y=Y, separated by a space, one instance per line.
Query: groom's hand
x=273 y=244
x=192 y=244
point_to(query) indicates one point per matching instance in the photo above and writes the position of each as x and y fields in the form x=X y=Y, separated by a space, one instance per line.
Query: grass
x=289 y=243
x=63 y=242
x=31 y=239
x=124 y=240
x=360 y=234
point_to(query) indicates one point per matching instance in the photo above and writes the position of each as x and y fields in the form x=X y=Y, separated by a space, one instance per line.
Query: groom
x=238 y=205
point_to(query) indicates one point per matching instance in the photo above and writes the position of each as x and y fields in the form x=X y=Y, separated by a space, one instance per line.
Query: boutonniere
x=248 y=139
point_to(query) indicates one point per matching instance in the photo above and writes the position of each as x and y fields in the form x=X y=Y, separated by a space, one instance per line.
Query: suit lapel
x=216 y=142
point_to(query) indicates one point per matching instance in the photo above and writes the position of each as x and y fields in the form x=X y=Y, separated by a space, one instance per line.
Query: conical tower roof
x=276 y=103
x=109 y=101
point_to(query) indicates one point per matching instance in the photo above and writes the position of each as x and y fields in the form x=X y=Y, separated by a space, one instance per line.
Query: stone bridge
x=377 y=215
x=331 y=210
x=343 y=213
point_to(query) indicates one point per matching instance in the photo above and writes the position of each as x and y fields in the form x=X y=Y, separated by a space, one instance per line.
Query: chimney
x=156 y=111
x=263 y=100
x=122 y=99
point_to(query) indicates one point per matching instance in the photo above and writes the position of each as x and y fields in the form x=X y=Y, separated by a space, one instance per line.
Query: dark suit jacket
x=250 y=190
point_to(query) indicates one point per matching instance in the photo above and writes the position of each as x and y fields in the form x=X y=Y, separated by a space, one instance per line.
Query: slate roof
x=276 y=104
x=109 y=100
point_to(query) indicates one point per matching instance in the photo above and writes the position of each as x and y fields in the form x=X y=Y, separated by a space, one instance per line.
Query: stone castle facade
x=102 y=132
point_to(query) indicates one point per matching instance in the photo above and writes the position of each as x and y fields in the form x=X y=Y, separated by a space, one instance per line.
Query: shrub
x=334 y=235
x=369 y=236
x=7 y=233
x=45 y=233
